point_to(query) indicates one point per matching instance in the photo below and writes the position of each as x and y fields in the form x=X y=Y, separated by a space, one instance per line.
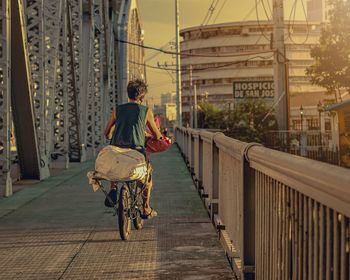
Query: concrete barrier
x=278 y=216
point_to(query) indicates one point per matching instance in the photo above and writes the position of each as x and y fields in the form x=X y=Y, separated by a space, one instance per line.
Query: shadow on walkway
x=60 y=229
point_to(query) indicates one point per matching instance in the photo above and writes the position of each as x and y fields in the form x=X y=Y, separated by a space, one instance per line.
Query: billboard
x=253 y=89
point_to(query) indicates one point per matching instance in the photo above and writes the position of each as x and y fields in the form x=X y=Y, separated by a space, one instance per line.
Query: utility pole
x=190 y=97
x=280 y=77
x=195 y=106
x=178 y=68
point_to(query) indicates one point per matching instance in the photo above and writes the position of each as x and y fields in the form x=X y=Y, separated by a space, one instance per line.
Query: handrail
x=328 y=184
x=230 y=145
x=278 y=215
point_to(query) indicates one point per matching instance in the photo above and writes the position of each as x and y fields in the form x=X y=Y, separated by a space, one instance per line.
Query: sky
x=158 y=22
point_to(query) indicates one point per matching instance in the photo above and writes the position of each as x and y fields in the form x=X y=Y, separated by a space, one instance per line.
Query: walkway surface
x=60 y=229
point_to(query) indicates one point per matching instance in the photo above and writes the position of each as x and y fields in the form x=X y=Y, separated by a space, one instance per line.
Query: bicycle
x=129 y=203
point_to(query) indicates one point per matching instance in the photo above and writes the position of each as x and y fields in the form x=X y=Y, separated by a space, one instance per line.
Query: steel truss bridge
x=61 y=73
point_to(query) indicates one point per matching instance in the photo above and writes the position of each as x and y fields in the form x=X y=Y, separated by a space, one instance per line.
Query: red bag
x=157 y=146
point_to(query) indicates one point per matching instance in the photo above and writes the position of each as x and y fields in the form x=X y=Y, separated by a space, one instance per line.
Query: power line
x=246 y=16
x=258 y=20
x=191 y=54
x=251 y=11
x=291 y=26
x=152 y=66
x=166 y=46
x=219 y=12
x=231 y=63
x=205 y=68
x=206 y=19
x=210 y=12
x=266 y=13
x=269 y=6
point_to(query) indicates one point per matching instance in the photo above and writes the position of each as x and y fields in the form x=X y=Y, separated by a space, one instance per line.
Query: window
x=313 y=124
x=296 y=124
x=327 y=125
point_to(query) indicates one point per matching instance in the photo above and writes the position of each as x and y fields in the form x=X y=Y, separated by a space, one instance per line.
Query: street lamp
x=320 y=110
x=303 y=136
x=301 y=116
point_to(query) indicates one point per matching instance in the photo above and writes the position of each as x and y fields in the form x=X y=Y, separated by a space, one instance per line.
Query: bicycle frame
x=132 y=186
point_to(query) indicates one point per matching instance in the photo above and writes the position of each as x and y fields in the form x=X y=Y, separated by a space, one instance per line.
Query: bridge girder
x=66 y=55
x=5 y=98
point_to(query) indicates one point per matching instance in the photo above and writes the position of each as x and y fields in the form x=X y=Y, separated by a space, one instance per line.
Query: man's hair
x=136 y=89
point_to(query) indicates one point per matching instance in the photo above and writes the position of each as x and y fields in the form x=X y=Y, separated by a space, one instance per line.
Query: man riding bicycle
x=130 y=120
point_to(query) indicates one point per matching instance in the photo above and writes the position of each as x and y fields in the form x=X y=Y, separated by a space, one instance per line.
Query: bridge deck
x=60 y=229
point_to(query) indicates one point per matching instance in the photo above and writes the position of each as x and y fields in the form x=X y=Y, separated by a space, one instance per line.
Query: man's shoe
x=153 y=213
x=113 y=197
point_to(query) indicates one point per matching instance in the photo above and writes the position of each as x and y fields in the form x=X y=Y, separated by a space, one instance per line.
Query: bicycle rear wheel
x=124 y=220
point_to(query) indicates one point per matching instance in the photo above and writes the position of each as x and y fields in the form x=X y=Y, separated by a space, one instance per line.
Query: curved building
x=240 y=53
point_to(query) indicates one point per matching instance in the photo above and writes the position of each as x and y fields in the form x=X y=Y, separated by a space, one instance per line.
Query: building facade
x=222 y=57
x=318 y=10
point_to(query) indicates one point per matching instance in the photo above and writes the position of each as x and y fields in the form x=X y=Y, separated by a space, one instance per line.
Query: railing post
x=248 y=211
x=215 y=184
x=185 y=145
x=200 y=162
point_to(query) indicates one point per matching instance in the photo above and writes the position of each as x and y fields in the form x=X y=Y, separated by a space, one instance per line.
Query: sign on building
x=253 y=89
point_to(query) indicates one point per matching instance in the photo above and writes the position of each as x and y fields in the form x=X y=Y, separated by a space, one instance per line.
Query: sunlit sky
x=158 y=22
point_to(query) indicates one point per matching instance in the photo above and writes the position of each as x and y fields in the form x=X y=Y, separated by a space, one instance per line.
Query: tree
x=331 y=69
x=210 y=116
x=248 y=121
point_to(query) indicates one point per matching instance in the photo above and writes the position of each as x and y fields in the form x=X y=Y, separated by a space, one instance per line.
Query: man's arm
x=110 y=124
x=153 y=126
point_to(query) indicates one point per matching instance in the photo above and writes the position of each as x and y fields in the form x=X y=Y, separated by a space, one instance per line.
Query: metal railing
x=279 y=216
x=311 y=144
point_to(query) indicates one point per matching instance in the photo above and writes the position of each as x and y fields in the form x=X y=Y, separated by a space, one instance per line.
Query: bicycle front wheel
x=124 y=220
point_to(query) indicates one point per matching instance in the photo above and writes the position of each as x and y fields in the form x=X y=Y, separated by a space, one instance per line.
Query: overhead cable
x=187 y=54
x=220 y=10
x=292 y=22
x=205 y=68
x=259 y=23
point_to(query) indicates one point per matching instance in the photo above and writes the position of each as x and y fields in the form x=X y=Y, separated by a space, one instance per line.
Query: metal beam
x=129 y=30
x=35 y=34
x=99 y=68
x=5 y=100
x=32 y=166
x=52 y=19
x=73 y=88
x=59 y=155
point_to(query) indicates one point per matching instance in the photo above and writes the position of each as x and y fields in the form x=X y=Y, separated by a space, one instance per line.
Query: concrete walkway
x=60 y=229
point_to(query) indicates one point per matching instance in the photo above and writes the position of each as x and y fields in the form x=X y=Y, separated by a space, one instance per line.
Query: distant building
x=169 y=97
x=170 y=112
x=167 y=114
x=341 y=119
x=216 y=77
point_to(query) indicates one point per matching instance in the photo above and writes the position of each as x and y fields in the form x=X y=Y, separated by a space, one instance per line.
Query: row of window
x=252 y=63
x=230 y=49
x=311 y=124
x=229 y=81
x=246 y=48
x=238 y=31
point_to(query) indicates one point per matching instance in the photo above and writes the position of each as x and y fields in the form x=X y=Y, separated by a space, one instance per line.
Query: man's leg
x=147 y=194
